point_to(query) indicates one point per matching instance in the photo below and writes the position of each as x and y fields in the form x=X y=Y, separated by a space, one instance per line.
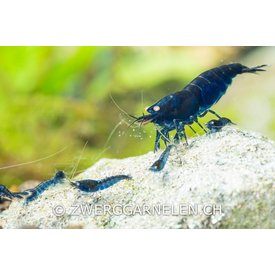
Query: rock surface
x=222 y=180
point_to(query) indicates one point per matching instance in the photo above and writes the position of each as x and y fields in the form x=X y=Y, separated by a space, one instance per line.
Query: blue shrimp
x=183 y=108
x=5 y=193
x=216 y=125
x=160 y=163
x=33 y=194
x=89 y=185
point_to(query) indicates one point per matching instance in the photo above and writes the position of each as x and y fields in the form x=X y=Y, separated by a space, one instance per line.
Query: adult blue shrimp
x=180 y=109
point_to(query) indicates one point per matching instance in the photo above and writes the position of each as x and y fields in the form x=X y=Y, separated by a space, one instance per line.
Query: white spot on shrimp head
x=156 y=108
x=152 y=109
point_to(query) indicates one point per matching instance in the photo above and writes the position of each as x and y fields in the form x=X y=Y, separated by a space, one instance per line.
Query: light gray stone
x=231 y=173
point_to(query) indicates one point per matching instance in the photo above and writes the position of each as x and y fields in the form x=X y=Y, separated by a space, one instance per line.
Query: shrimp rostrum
x=183 y=108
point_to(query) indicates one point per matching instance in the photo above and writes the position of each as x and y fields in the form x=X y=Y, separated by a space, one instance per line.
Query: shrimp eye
x=156 y=108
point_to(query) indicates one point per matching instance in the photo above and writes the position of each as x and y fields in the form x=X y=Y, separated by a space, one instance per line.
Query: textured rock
x=228 y=177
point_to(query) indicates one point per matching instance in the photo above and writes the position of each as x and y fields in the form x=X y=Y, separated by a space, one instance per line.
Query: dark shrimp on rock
x=183 y=108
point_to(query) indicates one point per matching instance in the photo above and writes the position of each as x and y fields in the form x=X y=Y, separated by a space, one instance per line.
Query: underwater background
x=64 y=108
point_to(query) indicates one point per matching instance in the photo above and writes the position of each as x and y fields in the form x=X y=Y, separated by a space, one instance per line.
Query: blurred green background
x=56 y=99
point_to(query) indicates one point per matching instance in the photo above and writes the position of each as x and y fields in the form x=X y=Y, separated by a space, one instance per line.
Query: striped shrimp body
x=33 y=194
x=180 y=109
x=89 y=185
x=5 y=193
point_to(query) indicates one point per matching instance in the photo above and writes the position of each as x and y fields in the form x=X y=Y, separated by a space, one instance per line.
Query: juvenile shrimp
x=5 y=193
x=183 y=108
x=87 y=185
x=216 y=125
x=90 y=185
x=33 y=194
x=159 y=164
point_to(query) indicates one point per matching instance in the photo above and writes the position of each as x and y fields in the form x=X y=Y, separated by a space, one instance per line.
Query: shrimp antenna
x=123 y=111
x=33 y=161
x=78 y=161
